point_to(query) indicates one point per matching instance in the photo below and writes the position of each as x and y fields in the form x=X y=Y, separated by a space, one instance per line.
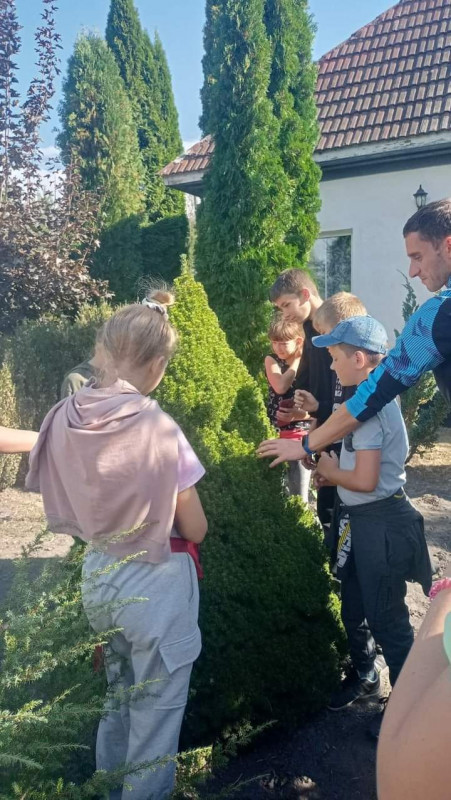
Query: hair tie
x=155 y=306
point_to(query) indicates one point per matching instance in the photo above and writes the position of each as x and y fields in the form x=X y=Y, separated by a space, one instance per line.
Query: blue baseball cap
x=365 y=332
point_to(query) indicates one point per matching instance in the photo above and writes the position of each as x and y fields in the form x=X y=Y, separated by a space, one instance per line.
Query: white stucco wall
x=374 y=209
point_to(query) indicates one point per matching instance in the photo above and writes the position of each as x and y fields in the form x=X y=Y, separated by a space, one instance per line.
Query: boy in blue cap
x=381 y=535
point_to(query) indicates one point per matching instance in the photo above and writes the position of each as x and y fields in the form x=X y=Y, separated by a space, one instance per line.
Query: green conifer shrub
x=144 y=70
x=261 y=192
x=268 y=613
x=241 y=224
x=42 y=351
x=292 y=88
x=99 y=133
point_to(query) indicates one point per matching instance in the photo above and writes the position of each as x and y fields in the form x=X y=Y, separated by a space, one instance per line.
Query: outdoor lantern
x=420 y=197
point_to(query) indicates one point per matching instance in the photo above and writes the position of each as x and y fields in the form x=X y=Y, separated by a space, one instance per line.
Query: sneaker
x=374 y=728
x=380 y=663
x=354 y=688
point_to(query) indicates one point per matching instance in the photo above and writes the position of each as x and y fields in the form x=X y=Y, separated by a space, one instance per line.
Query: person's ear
x=305 y=295
x=359 y=359
x=447 y=244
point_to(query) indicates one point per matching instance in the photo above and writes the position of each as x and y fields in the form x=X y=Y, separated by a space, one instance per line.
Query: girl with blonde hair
x=117 y=471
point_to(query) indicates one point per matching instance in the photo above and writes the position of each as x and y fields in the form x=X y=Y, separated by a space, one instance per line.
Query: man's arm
x=16 y=441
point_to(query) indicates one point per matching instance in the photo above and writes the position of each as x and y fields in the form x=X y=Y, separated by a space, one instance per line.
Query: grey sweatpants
x=159 y=642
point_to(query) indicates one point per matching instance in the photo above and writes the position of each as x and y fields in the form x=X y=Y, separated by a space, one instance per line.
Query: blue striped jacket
x=423 y=345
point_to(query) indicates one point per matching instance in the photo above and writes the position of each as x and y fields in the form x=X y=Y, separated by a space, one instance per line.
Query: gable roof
x=390 y=80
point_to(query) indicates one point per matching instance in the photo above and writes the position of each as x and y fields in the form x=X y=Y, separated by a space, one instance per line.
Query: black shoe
x=354 y=688
x=374 y=728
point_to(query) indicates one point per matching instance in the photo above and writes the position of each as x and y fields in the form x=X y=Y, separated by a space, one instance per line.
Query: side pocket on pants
x=181 y=652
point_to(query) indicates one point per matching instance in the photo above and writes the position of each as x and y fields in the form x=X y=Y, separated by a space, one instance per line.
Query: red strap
x=183 y=546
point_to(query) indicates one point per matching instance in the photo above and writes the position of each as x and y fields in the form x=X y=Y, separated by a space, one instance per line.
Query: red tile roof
x=195 y=159
x=389 y=80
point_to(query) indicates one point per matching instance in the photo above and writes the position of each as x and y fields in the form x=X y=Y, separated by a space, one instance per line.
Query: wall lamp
x=420 y=197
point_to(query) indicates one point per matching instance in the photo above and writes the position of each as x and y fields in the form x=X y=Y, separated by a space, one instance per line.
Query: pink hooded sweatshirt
x=106 y=465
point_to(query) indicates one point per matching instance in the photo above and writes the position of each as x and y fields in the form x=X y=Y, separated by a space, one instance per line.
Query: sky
x=179 y=23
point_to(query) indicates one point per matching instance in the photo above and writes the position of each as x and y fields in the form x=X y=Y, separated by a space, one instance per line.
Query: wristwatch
x=306 y=447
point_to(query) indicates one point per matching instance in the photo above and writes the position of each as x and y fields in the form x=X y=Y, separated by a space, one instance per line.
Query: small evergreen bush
x=42 y=351
x=268 y=614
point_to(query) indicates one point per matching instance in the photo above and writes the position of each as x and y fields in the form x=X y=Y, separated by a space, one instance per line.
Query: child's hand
x=305 y=401
x=328 y=465
x=309 y=463
x=318 y=481
x=286 y=415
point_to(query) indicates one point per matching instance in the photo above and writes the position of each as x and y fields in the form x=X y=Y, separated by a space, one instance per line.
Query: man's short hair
x=284 y=330
x=432 y=223
x=336 y=308
x=292 y=281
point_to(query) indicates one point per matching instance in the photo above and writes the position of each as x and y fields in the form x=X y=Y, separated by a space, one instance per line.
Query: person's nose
x=414 y=270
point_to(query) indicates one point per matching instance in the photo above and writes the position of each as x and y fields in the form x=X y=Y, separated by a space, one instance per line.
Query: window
x=330 y=264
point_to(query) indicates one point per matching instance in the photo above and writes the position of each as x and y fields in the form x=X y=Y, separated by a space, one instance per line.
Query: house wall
x=374 y=209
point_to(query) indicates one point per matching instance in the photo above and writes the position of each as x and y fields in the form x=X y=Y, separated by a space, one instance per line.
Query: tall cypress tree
x=292 y=86
x=174 y=201
x=146 y=76
x=144 y=70
x=242 y=223
x=99 y=134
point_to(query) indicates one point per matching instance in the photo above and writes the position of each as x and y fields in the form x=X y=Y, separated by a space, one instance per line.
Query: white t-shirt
x=385 y=432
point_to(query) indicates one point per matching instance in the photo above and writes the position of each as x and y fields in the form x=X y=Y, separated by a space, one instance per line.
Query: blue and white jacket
x=423 y=345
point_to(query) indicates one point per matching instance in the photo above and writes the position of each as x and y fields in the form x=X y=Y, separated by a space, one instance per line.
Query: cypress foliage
x=242 y=223
x=271 y=638
x=144 y=70
x=292 y=86
x=133 y=52
x=173 y=201
x=98 y=133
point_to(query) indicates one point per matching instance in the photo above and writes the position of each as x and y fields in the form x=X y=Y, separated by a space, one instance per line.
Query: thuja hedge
x=269 y=620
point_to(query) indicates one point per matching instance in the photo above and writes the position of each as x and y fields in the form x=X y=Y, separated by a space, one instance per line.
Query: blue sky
x=179 y=23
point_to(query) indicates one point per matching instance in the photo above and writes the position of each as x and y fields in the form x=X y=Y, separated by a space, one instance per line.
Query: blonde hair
x=138 y=333
x=284 y=330
x=336 y=308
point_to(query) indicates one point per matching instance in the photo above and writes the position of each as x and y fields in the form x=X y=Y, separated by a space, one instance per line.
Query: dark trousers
x=386 y=549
